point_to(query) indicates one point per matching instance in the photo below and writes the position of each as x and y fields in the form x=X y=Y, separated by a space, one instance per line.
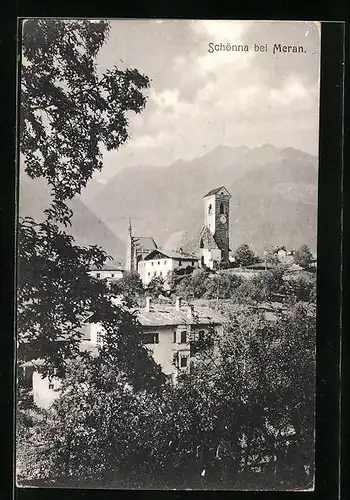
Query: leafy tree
x=263 y=286
x=221 y=285
x=156 y=286
x=260 y=388
x=244 y=255
x=302 y=289
x=270 y=256
x=130 y=286
x=193 y=285
x=68 y=112
x=91 y=432
x=303 y=257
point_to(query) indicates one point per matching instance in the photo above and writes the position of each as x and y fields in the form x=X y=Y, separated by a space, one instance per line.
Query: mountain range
x=274 y=196
x=274 y=199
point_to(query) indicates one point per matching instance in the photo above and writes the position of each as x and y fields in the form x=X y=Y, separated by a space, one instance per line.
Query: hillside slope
x=274 y=196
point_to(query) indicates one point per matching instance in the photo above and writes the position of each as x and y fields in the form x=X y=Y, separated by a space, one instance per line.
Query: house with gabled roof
x=172 y=332
x=159 y=262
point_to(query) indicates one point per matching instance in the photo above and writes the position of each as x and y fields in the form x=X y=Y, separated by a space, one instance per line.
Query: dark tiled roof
x=108 y=268
x=190 y=243
x=111 y=265
x=171 y=254
x=214 y=191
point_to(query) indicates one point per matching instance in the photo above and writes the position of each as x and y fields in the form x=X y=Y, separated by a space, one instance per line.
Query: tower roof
x=217 y=190
x=144 y=242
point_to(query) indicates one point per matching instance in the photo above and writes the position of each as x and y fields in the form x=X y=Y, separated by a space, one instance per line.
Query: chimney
x=178 y=303
x=148 y=304
x=190 y=311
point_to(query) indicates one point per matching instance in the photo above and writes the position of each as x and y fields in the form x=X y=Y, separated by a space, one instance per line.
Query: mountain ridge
x=274 y=199
x=281 y=182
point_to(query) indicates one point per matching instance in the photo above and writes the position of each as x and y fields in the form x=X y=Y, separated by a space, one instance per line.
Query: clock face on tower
x=223 y=218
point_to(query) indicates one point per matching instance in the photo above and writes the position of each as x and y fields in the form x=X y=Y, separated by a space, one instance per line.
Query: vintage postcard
x=167 y=258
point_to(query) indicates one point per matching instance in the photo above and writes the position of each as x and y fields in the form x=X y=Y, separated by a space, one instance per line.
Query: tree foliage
x=130 y=286
x=221 y=285
x=303 y=257
x=68 y=109
x=243 y=417
x=156 y=286
x=244 y=255
x=68 y=113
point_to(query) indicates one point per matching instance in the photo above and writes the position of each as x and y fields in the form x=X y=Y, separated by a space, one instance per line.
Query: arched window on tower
x=210 y=209
x=221 y=208
x=201 y=243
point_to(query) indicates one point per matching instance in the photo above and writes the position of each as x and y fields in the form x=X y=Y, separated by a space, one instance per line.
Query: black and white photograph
x=167 y=254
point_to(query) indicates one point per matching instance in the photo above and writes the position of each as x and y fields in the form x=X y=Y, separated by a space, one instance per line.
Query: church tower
x=130 y=259
x=217 y=218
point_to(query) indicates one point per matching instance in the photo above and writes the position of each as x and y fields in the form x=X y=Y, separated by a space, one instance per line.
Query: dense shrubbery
x=271 y=285
x=245 y=412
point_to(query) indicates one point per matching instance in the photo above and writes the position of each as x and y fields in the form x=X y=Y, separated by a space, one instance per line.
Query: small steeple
x=129 y=260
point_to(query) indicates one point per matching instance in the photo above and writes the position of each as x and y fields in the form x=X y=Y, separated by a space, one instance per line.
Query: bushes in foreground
x=244 y=414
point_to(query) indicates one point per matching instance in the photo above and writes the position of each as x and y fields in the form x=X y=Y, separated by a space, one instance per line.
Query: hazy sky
x=199 y=100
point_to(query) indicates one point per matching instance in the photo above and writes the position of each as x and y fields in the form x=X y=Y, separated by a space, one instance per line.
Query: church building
x=137 y=248
x=209 y=246
x=211 y=243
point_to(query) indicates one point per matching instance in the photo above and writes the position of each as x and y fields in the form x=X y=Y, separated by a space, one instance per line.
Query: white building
x=169 y=331
x=159 y=262
x=110 y=272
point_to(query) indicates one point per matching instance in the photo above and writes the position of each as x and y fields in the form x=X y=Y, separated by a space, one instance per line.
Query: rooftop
x=144 y=243
x=216 y=190
x=190 y=242
x=171 y=254
x=168 y=315
x=110 y=266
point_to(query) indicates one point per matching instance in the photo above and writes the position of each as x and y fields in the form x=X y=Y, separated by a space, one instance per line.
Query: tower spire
x=129 y=260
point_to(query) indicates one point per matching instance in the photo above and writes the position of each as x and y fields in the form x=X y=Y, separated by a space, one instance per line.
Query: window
x=98 y=275
x=155 y=273
x=210 y=208
x=174 y=338
x=158 y=263
x=51 y=386
x=183 y=361
x=149 y=274
x=150 y=338
x=112 y=275
x=175 y=358
x=221 y=208
x=99 y=337
x=201 y=244
x=183 y=337
x=192 y=263
x=180 y=263
x=160 y=273
x=152 y=263
x=165 y=262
